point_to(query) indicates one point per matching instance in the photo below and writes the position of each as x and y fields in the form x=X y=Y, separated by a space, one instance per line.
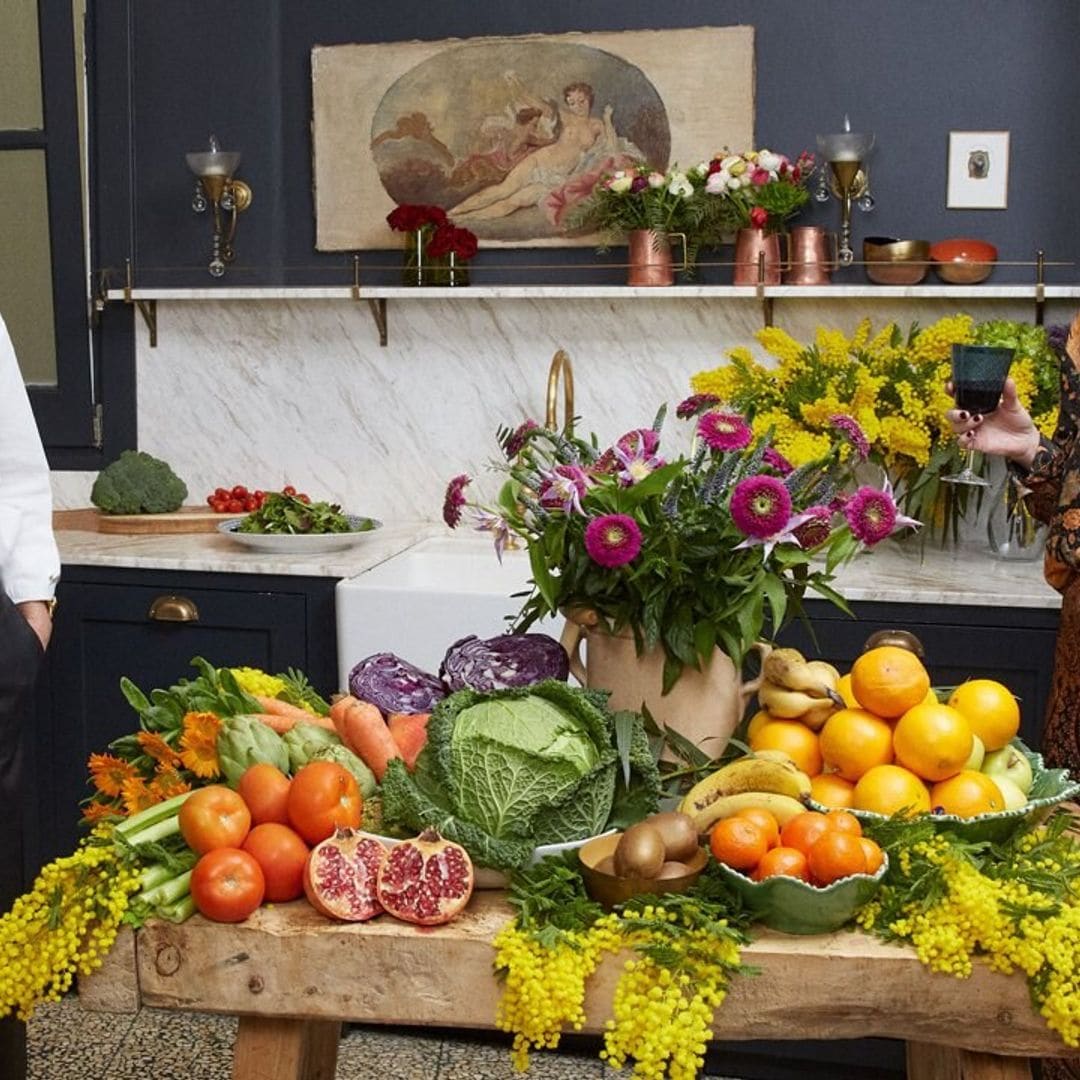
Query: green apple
x=1011 y=763
x=1010 y=792
x=978 y=753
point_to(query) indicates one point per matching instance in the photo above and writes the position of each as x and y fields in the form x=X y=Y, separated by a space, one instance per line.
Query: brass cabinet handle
x=174 y=609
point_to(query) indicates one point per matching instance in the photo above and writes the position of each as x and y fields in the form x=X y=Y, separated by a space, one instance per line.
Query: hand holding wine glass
x=979 y=375
x=1008 y=431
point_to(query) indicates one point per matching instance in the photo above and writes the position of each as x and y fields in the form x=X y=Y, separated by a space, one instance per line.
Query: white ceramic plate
x=297 y=544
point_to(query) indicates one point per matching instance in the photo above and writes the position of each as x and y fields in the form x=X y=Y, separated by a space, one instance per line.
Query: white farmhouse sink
x=418 y=603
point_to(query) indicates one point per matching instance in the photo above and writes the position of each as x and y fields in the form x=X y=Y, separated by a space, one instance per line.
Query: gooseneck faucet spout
x=560 y=367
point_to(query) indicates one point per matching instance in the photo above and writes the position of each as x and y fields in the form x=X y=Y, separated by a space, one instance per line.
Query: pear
x=977 y=755
x=1011 y=763
x=1010 y=792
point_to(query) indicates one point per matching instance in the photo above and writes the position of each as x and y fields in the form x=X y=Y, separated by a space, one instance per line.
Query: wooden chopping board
x=188 y=519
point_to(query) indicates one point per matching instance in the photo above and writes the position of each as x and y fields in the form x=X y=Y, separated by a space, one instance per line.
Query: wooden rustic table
x=292 y=978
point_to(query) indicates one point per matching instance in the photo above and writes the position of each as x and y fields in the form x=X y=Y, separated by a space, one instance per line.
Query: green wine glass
x=978 y=377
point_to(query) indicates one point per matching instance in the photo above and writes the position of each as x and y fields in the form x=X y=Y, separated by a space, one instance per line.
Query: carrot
x=287 y=711
x=363 y=730
x=280 y=724
x=409 y=732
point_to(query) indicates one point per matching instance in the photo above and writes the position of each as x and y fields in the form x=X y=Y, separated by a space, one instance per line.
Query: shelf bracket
x=1040 y=287
x=376 y=305
x=147 y=308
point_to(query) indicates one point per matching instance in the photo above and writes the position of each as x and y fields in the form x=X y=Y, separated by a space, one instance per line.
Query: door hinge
x=97 y=424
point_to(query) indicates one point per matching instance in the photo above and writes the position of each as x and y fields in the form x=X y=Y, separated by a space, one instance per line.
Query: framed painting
x=978 y=176
x=509 y=134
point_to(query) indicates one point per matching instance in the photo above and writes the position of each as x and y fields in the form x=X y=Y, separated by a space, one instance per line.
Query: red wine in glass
x=978 y=376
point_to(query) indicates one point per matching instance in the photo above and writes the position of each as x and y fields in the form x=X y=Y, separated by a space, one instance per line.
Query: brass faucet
x=560 y=365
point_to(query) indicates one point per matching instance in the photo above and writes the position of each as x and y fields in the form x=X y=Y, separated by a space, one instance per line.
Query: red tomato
x=304 y=497
x=239 y=492
x=265 y=789
x=288 y=489
x=221 y=493
x=259 y=496
x=214 y=817
x=210 y=500
x=323 y=796
x=281 y=855
x=227 y=884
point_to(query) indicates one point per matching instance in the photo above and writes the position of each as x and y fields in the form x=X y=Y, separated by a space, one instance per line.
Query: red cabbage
x=502 y=662
x=395 y=685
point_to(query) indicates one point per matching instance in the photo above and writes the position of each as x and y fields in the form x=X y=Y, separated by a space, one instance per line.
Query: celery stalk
x=158 y=830
x=167 y=892
x=155 y=874
x=151 y=815
x=178 y=911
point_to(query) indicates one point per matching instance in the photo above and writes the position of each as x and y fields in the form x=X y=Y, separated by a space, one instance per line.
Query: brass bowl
x=891 y=261
x=609 y=890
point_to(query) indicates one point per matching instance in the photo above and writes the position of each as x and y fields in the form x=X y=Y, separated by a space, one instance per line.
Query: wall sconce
x=217 y=190
x=847 y=178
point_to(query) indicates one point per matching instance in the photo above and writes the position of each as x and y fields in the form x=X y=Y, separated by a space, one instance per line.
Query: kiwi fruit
x=640 y=852
x=672 y=870
x=678 y=832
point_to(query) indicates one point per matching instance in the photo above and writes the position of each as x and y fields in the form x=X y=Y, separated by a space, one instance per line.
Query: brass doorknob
x=174 y=609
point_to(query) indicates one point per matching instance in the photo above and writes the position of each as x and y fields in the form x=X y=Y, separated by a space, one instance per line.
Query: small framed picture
x=978 y=171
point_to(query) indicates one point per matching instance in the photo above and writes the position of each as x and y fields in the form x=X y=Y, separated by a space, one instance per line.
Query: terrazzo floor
x=67 y=1042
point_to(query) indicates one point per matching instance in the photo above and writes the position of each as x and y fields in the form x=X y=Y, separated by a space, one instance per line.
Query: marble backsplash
x=271 y=392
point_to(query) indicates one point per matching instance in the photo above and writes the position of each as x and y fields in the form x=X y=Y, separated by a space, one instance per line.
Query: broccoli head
x=137 y=483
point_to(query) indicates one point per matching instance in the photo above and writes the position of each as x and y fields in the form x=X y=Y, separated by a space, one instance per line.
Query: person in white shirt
x=29 y=571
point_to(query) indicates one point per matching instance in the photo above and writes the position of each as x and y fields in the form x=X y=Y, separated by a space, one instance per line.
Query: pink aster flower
x=760 y=506
x=724 y=431
x=563 y=488
x=516 y=440
x=636 y=465
x=613 y=540
x=775 y=460
x=455 y=500
x=851 y=430
x=815 y=529
x=499 y=529
x=694 y=404
x=872 y=515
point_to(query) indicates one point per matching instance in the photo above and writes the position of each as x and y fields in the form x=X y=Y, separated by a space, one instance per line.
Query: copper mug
x=758 y=259
x=812 y=257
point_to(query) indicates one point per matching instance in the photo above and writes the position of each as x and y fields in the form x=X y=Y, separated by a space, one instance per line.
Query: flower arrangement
x=893 y=384
x=433 y=238
x=764 y=189
x=707 y=549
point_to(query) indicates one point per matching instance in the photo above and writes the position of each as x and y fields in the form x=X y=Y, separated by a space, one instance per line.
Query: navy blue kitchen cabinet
x=104 y=629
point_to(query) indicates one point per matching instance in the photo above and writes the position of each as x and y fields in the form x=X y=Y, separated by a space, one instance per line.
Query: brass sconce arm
x=217 y=190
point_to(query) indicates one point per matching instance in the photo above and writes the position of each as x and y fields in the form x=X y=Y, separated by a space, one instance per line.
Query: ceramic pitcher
x=704 y=706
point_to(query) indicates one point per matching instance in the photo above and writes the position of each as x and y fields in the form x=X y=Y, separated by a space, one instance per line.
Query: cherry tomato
x=239 y=491
x=288 y=489
x=250 y=504
x=235 y=506
x=221 y=506
x=265 y=790
x=221 y=493
x=281 y=855
x=210 y=499
x=214 y=817
x=227 y=884
x=323 y=797
x=304 y=497
x=260 y=496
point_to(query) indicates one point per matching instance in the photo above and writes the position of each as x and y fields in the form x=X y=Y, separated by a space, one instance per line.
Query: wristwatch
x=51 y=605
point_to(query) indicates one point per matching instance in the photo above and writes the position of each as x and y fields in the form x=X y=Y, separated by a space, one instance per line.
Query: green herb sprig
x=289 y=514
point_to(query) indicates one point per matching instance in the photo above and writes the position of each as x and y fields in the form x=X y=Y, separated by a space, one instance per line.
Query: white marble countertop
x=894 y=573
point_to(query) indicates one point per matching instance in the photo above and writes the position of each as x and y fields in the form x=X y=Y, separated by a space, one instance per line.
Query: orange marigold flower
x=157 y=748
x=109 y=773
x=95 y=811
x=168 y=782
x=137 y=796
x=198 y=744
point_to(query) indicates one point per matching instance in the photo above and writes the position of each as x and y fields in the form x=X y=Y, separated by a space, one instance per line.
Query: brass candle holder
x=847 y=179
x=217 y=190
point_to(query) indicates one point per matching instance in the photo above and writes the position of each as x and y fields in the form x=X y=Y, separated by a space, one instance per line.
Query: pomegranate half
x=427 y=880
x=341 y=876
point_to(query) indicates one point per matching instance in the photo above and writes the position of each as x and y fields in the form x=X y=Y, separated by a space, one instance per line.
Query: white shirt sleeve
x=29 y=560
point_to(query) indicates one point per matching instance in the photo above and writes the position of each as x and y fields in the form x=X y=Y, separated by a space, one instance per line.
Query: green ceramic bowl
x=1049 y=787
x=797 y=907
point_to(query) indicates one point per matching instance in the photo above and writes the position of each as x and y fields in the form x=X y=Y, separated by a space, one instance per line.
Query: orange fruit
x=764 y=820
x=889 y=680
x=990 y=709
x=853 y=741
x=885 y=789
x=843 y=688
x=792 y=738
x=966 y=794
x=835 y=855
x=802 y=830
x=874 y=855
x=842 y=821
x=933 y=741
x=756 y=721
x=831 y=789
x=738 y=843
x=782 y=862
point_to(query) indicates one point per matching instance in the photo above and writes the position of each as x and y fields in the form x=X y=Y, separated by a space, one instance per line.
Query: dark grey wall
x=908 y=70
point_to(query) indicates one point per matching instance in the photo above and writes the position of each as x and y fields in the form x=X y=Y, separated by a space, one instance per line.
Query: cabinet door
x=104 y=630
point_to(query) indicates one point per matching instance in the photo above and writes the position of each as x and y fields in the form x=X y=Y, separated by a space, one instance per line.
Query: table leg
x=927 y=1061
x=278 y=1049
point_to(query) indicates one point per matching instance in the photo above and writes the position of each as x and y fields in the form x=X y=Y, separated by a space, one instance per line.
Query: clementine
x=764 y=820
x=933 y=741
x=782 y=862
x=842 y=821
x=756 y=722
x=792 y=738
x=831 y=789
x=843 y=688
x=889 y=680
x=835 y=855
x=990 y=709
x=738 y=843
x=853 y=741
x=874 y=855
x=803 y=829
x=885 y=789
x=966 y=794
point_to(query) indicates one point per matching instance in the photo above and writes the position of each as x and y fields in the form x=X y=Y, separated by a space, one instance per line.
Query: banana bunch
x=767 y=779
x=793 y=687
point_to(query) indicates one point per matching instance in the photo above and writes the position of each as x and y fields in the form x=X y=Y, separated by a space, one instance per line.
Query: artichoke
x=244 y=741
x=303 y=741
x=365 y=778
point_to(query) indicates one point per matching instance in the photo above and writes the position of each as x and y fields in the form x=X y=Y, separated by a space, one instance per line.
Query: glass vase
x=419 y=268
x=1012 y=531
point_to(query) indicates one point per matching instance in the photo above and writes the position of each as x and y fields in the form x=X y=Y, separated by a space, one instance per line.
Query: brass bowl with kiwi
x=660 y=854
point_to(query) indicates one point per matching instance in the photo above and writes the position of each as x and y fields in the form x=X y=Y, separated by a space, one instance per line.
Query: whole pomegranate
x=341 y=874
x=427 y=880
